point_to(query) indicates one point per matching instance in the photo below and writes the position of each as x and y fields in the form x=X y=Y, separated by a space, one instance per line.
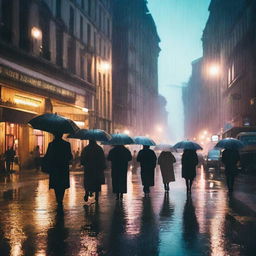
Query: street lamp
x=105 y=66
x=214 y=70
x=36 y=33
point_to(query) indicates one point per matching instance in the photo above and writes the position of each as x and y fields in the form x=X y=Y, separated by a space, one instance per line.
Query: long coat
x=166 y=160
x=58 y=156
x=230 y=159
x=147 y=159
x=93 y=160
x=189 y=162
x=119 y=157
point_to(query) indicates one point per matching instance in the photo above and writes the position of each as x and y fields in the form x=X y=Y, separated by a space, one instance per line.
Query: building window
x=44 y=22
x=59 y=46
x=81 y=28
x=6 y=26
x=88 y=34
x=72 y=56
x=89 y=70
x=71 y=20
x=58 y=8
x=82 y=74
x=89 y=7
x=23 y=25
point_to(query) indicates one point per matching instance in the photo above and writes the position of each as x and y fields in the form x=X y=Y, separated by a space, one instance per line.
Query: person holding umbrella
x=58 y=154
x=57 y=158
x=93 y=160
x=166 y=160
x=230 y=158
x=119 y=156
x=189 y=162
x=147 y=159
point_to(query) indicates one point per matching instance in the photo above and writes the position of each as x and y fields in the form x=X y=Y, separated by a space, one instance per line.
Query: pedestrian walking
x=56 y=162
x=189 y=162
x=36 y=156
x=9 y=158
x=119 y=157
x=166 y=160
x=230 y=158
x=93 y=160
x=147 y=159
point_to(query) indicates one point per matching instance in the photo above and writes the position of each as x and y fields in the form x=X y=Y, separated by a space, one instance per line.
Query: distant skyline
x=180 y=25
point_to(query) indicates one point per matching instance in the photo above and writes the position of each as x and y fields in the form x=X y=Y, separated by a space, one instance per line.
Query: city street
x=208 y=223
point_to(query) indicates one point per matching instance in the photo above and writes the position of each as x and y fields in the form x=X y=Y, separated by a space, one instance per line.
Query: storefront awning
x=13 y=115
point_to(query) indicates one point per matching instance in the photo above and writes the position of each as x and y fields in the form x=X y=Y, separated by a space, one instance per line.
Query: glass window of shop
x=39 y=140
x=11 y=136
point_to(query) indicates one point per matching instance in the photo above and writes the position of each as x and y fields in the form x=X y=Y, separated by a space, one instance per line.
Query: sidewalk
x=245 y=191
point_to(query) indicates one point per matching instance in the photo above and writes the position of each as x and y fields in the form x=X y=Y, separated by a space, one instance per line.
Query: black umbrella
x=145 y=141
x=53 y=123
x=186 y=144
x=230 y=143
x=120 y=139
x=93 y=134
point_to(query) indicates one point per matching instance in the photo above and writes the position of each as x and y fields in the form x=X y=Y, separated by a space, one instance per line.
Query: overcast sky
x=180 y=24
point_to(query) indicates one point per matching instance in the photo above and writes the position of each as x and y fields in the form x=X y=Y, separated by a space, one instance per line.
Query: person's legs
x=146 y=189
x=190 y=184
x=187 y=185
x=8 y=166
x=59 y=194
x=121 y=195
x=167 y=187
x=117 y=196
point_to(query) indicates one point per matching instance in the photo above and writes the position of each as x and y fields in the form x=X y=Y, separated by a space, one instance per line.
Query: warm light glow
x=36 y=33
x=79 y=123
x=159 y=128
x=127 y=132
x=26 y=102
x=105 y=66
x=205 y=132
x=85 y=110
x=214 y=70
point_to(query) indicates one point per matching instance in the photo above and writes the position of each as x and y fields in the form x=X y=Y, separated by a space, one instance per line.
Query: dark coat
x=58 y=156
x=147 y=159
x=189 y=162
x=93 y=160
x=230 y=158
x=119 y=157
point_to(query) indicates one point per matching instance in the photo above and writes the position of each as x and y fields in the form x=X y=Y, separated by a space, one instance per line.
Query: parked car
x=213 y=159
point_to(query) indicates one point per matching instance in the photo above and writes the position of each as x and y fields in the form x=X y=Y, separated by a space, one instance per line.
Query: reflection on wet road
x=208 y=223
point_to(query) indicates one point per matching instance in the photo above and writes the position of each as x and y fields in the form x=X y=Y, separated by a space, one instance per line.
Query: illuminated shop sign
x=37 y=83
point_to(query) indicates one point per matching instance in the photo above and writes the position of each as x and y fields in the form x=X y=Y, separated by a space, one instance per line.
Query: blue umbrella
x=119 y=139
x=230 y=143
x=186 y=144
x=53 y=123
x=145 y=141
x=93 y=134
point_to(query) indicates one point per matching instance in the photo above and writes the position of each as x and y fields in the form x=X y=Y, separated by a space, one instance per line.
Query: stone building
x=55 y=56
x=228 y=67
x=135 y=68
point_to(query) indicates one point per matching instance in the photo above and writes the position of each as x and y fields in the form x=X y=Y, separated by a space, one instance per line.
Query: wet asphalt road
x=207 y=223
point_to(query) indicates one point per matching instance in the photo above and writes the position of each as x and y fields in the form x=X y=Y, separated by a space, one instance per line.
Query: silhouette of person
x=147 y=159
x=58 y=156
x=93 y=160
x=9 y=158
x=189 y=162
x=36 y=155
x=119 y=157
x=230 y=158
x=166 y=160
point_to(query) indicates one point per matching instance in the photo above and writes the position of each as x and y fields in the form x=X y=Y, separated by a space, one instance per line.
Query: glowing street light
x=127 y=132
x=214 y=70
x=159 y=128
x=105 y=66
x=36 y=33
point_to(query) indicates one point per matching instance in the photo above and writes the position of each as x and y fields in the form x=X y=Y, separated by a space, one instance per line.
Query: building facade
x=55 y=56
x=135 y=68
x=228 y=68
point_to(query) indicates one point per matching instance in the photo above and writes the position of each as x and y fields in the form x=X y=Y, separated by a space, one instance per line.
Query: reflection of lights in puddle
x=211 y=185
